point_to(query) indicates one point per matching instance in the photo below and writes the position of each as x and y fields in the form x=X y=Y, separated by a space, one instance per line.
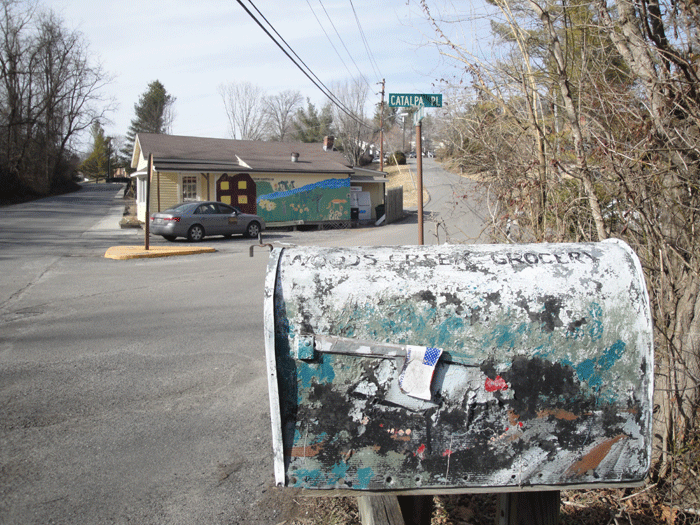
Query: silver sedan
x=195 y=220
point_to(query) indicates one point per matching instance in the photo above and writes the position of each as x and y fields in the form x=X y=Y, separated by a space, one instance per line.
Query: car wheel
x=195 y=233
x=252 y=230
x=170 y=238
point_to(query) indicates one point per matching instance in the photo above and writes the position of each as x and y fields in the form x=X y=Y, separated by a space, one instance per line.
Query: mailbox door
x=544 y=376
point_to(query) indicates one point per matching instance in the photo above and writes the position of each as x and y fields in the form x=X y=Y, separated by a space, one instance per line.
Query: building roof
x=197 y=154
x=368 y=176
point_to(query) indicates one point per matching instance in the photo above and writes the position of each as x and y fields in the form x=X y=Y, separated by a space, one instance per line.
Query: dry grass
x=406 y=177
x=591 y=507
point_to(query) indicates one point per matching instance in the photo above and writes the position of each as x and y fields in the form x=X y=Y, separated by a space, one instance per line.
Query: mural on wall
x=237 y=190
x=320 y=201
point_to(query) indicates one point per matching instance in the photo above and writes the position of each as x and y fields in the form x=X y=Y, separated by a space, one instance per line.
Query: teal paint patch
x=446 y=331
x=404 y=318
x=611 y=355
x=300 y=440
x=364 y=476
x=502 y=336
x=318 y=373
x=591 y=370
x=586 y=372
x=338 y=472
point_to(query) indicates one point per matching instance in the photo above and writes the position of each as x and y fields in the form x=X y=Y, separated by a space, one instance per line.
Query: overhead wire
x=343 y=42
x=372 y=61
x=306 y=70
x=328 y=37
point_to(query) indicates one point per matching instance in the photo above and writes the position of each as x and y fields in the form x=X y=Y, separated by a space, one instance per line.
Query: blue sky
x=193 y=47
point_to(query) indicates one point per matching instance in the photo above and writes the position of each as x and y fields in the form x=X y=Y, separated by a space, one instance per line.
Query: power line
x=306 y=70
x=343 y=42
x=328 y=38
x=372 y=61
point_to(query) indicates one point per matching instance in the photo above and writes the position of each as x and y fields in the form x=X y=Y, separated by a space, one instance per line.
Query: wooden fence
x=394 y=204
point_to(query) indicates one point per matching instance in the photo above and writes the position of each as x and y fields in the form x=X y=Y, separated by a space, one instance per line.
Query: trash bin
x=354 y=214
x=380 y=211
x=459 y=367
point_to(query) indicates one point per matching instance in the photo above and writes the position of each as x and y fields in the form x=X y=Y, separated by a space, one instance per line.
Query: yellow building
x=298 y=183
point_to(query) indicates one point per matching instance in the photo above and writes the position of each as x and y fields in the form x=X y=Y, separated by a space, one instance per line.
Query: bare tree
x=353 y=127
x=50 y=91
x=279 y=111
x=245 y=109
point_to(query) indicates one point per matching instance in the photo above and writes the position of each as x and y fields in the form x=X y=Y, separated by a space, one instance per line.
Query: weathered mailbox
x=459 y=368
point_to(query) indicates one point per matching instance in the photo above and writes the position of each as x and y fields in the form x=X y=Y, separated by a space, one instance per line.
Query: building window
x=189 y=188
x=141 y=190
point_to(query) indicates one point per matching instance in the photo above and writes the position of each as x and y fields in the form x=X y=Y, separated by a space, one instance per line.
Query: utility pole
x=381 y=129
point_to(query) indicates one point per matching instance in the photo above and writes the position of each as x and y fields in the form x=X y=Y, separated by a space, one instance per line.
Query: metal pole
x=419 y=189
x=381 y=131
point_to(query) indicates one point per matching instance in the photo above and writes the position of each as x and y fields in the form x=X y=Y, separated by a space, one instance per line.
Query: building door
x=237 y=190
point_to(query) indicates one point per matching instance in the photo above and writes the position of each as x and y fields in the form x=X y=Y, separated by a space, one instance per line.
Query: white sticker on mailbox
x=417 y=373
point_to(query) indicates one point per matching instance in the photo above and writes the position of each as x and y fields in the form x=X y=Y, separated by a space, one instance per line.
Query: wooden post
x=158 y=185
x=147 y=229
x=379 y=510
x=416 y=510
x=528 y=508
x=419 y=189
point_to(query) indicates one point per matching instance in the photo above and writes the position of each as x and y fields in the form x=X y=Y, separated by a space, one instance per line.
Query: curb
x=122 y=253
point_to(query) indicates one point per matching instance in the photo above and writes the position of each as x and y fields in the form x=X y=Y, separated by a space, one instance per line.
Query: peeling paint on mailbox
x=544 y=379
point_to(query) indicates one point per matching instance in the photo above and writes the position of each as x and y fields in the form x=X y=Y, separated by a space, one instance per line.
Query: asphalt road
x=455 y=211
x=135 y=391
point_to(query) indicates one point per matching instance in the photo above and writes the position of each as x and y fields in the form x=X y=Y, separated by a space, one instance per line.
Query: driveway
x=455 y=211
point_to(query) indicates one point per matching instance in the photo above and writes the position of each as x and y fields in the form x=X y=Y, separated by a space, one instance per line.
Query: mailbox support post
x=416 y=510
x=380 y=510
x=528 y=508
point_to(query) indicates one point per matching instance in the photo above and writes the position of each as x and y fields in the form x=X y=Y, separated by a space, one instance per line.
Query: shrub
x=397 y=158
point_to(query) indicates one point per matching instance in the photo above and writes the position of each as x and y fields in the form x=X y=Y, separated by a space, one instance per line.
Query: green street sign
x=408 y=100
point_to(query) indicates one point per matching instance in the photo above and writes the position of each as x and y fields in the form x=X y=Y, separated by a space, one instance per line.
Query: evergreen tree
x=96 y=164
x=154 y=114
x=312 y=126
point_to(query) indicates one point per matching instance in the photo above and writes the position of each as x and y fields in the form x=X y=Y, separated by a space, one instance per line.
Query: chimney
x=328 y=143
x=295 y=157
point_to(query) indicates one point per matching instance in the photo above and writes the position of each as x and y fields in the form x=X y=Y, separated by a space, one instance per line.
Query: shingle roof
x=178 y=153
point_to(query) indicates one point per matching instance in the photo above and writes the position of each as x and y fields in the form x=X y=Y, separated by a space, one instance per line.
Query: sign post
x=419 y=182
x=419 y=102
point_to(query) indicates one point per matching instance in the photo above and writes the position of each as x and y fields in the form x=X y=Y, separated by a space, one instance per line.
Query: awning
x=365 y=176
